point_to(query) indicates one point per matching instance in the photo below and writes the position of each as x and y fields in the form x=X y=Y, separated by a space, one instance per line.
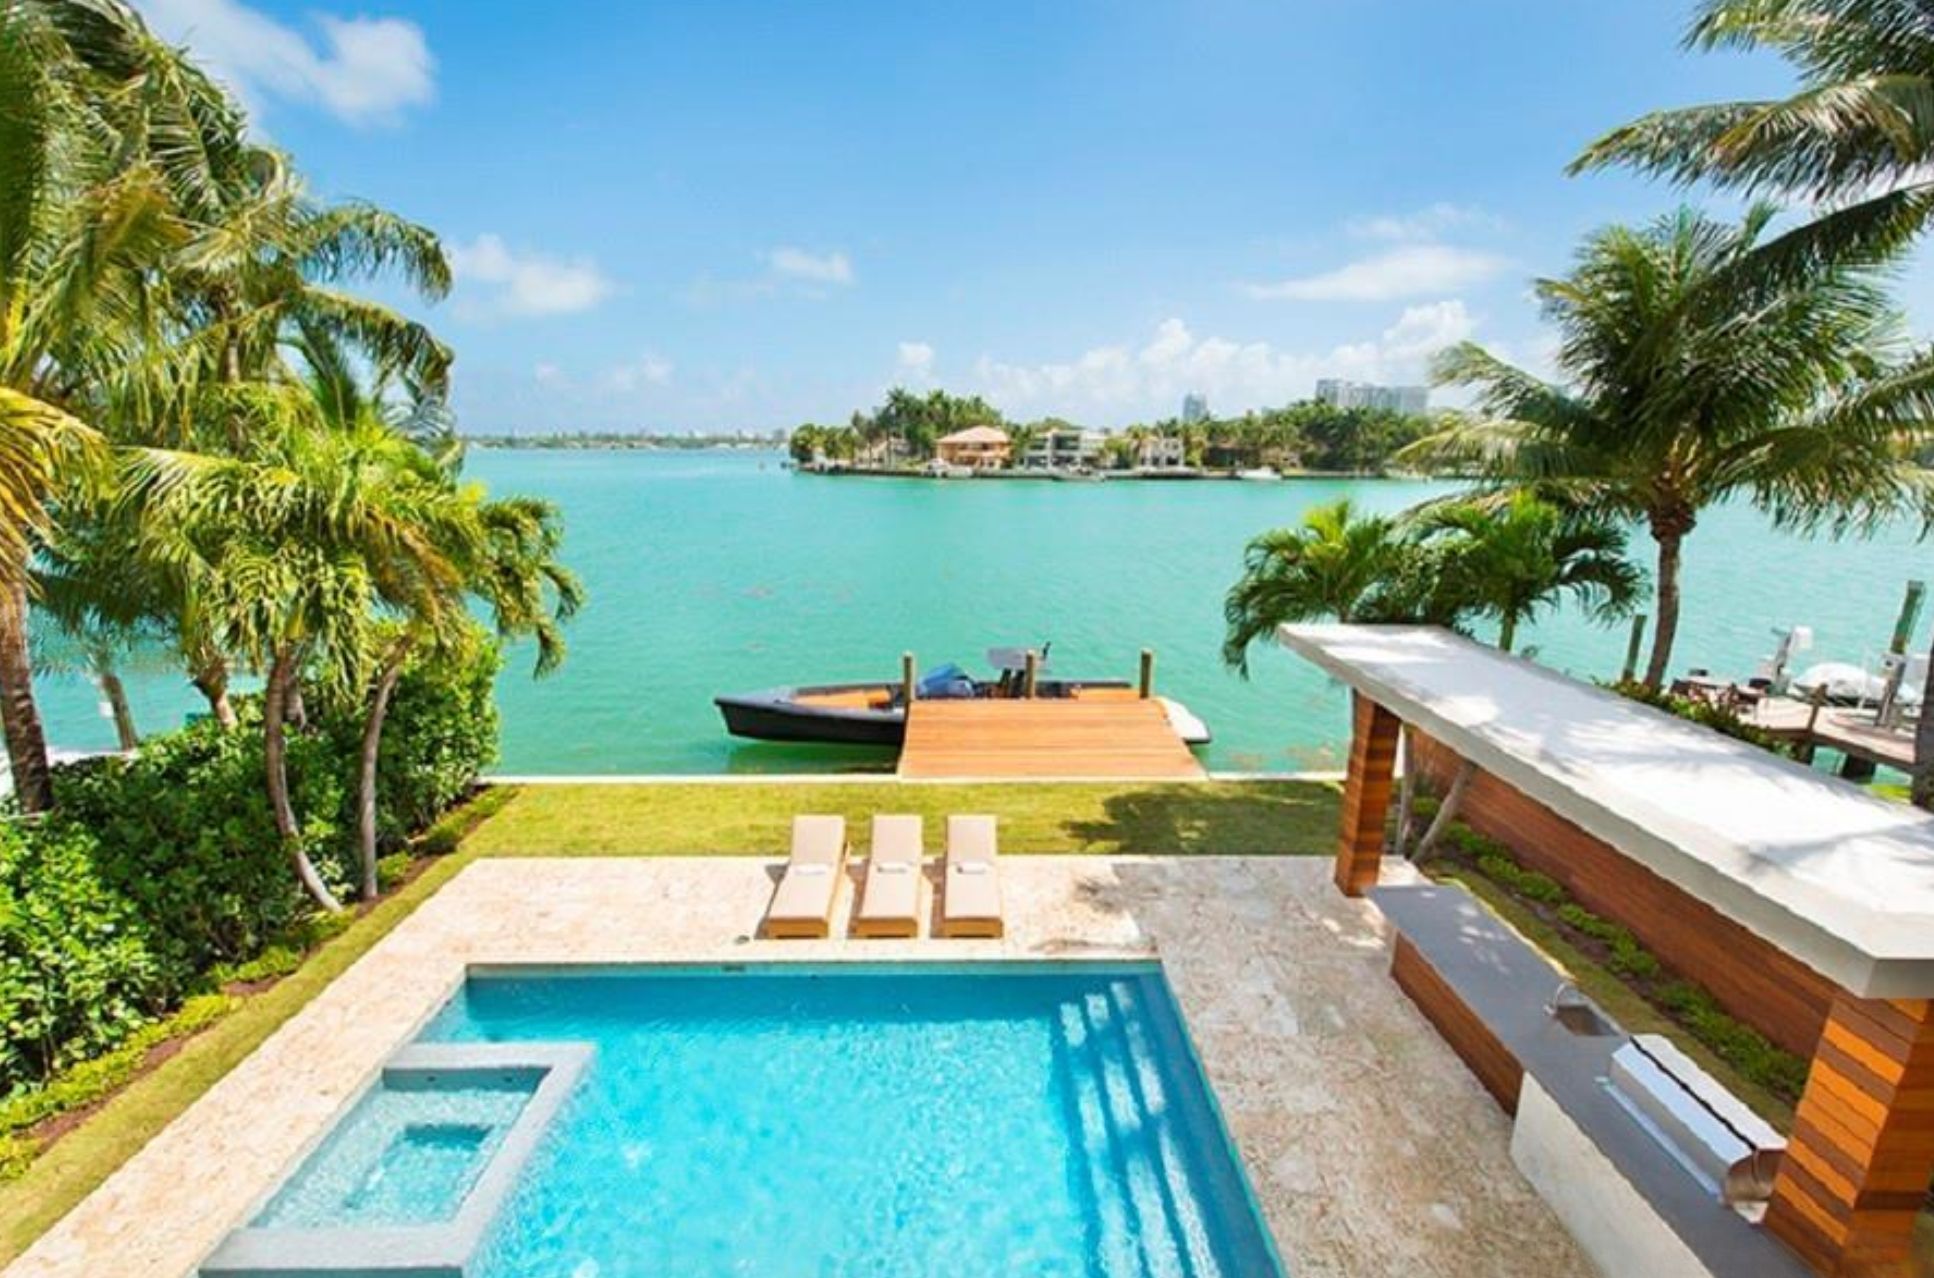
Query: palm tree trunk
x=116 y=693
x=1666 y=628
x=1446 y=811
x=275 y=754
x=1406 y=789
x=366 y=778
x=1507 y=631
x=33 y=781
x=211 y=680
x=1923 y=789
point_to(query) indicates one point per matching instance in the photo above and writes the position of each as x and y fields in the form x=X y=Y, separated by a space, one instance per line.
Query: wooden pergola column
x=1366 y=794
x=1861 y=1155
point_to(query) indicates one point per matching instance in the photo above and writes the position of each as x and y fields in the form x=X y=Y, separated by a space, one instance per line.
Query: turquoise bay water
x=715 y=572
x=875 y=1121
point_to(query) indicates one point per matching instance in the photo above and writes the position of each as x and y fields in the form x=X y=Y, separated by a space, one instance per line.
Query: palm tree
x=293 y=548
x=1519 y=557
x=508 y=561
x=1335 y=564
x=502 y=553
x=77 y=226
x=1858 y=136
x=1692 y=376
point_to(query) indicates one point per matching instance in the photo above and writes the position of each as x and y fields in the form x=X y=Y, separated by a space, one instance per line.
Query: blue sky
x=683 y=216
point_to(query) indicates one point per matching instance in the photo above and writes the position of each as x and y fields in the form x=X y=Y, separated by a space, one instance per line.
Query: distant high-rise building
x=1397 y=399
x=1195 y=408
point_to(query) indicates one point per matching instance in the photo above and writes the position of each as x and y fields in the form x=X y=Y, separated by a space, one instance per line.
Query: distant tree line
x=629 y=439
x=1307 y=435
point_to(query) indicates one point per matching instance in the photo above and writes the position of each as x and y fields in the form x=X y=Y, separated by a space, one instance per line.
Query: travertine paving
x=1371 y=1149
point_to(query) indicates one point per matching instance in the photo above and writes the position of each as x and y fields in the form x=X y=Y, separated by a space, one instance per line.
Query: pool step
x=1135 y=1163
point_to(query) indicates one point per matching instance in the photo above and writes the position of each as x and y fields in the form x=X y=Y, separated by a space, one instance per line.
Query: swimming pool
x=794 y=1120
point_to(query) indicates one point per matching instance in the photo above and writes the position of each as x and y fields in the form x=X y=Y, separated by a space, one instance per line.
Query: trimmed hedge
x=161 y=876
x=1757 y=1059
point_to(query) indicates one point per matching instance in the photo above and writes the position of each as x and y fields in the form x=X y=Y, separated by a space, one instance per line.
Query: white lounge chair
x=802 y=904
x=970 y=903
x=890 y=893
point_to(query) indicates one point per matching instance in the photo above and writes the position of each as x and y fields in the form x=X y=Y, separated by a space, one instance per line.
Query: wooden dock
x=1113 y=739
x=1850 y=732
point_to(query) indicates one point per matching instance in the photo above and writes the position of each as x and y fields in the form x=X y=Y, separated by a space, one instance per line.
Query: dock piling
x=1146 y=681
x=1030 y=674
x=1632 y=646
x=909 y=686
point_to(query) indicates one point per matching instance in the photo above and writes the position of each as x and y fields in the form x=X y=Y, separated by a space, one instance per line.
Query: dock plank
x=1071 y=739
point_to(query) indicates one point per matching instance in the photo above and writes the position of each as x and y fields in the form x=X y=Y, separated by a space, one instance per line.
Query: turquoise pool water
x=797 y=1123
x=407 y=1154
x=720 y=572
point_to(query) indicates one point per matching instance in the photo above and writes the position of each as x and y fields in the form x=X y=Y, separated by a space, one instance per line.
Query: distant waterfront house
x=977 y=447
x=1064 y=448
x=1161 y=452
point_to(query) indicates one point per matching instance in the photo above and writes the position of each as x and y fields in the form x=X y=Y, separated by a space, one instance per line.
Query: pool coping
x=441 y=1250
x=1280 y=982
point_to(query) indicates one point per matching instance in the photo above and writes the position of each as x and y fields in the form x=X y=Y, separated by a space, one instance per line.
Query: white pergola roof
x=1838 y=879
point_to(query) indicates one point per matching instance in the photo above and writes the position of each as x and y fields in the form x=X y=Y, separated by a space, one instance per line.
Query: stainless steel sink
x=1571 y=1009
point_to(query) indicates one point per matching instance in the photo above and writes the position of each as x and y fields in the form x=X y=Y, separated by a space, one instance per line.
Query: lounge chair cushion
x=890 y=894
x=802 y=904
x=971 y=901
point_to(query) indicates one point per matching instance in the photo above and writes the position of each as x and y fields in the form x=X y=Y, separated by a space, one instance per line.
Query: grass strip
x=1230 y=818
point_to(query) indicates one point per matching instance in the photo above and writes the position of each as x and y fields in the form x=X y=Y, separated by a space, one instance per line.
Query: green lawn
x=1222 y=817
x=1263 y=817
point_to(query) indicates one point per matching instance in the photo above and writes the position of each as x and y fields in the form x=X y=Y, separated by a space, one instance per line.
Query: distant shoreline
x=1109 y=476
x=1022 y=474
x=538 y=444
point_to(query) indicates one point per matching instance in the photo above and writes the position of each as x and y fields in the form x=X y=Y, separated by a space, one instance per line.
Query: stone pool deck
x=1371 y=1148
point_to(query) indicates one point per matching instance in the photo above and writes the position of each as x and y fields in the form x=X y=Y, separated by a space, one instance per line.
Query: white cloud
x=1422 y=331
x=547 y=374
x=649 y=370
x=916 y=359
x=1125 y=382
x=1410 y=270
x=495 y=281
x=792 y=263
x=789 y=272
x=1425 y=223
x=364 y=70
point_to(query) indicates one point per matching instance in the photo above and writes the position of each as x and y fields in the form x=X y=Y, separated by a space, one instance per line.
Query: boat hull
x=777 y=715
x=815 y=715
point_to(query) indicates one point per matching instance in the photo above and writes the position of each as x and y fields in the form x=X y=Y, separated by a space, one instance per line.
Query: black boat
x=875 y=713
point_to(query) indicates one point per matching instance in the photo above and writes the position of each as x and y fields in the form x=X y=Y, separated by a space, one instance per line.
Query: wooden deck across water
x=1848 y=731
x=1063 y=739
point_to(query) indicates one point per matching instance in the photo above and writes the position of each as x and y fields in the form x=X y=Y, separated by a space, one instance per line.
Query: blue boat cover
x=946 y=683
